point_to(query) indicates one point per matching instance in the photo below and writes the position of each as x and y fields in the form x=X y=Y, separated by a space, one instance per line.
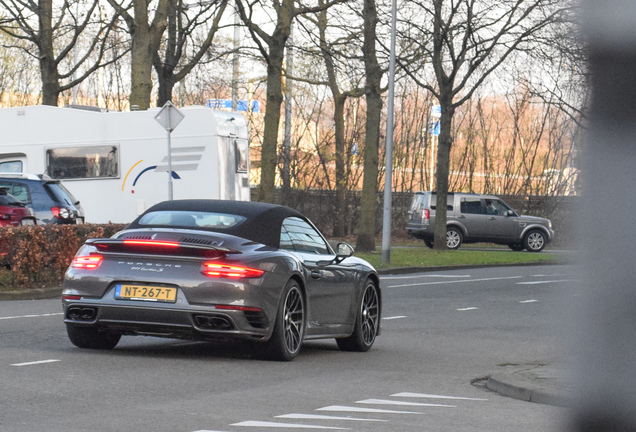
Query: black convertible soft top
x=263 y=221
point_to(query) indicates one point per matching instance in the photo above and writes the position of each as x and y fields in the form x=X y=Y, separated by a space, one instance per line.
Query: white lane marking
x=394 y=317
x=454 y=281
x=467 y=308
x=528 y=301
x=340 y=408
x=31 y=316
x=425 y=275
x=554 y=275
x=283 y=425
x=433 y=396
x=545 y=282
x=324 y=417
x=206 y=430
x=36 y=362
x=402 y=403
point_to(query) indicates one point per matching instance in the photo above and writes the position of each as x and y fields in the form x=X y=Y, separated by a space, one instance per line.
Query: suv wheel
x=454 y=238
x=534 y=241
x=428 y=243
x=516 y=247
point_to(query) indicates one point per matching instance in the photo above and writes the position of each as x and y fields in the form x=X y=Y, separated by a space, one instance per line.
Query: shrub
x=39 y=255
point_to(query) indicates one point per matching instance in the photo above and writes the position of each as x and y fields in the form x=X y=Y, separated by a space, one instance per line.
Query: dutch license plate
x=145 y=292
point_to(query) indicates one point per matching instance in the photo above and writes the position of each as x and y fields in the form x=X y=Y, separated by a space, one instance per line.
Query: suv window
x=495 y=207
x=18 y=190
x=449 y=201
x=471 y=206
x=298 y=235
x=418 y=203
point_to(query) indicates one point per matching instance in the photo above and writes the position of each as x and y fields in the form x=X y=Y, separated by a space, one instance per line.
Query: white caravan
x=116 y=163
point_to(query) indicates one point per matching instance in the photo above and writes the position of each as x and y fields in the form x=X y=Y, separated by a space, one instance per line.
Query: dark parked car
x=207 y=269
x=14 y=212
x=49 y=199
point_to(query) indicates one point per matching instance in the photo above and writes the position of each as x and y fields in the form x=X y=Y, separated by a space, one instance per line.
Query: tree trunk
x=341 y=183
x=444 y=144
x=369 y=200
x=48 y=66
x=269 y=150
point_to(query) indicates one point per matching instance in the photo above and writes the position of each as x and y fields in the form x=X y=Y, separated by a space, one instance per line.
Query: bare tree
x=53 y=31
x=145 y=41
x=469 y=40
x=272 y=48
x=182 y=50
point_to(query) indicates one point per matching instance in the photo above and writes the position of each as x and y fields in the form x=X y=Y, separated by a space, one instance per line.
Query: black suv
x=50 y=200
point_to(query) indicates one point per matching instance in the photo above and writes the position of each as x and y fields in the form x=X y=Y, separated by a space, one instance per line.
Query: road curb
x=31 y=294
x=522 y=384
x=408 y=270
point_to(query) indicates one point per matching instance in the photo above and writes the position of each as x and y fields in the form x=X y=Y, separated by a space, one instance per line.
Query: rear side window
x=300 y=236
x=99 y=161
x=449 y=201
x=10 y=200
x=18 y=190
x=471 y=206
x=59 y=193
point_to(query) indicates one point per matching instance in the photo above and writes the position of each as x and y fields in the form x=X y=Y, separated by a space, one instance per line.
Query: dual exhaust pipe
x=77 y=313
x=212 y=322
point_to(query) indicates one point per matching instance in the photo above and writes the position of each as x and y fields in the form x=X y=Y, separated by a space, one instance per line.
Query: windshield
x=191 y=219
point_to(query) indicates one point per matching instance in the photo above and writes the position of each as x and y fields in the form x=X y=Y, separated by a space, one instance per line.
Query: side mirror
x=344 y=250
x=511 y=213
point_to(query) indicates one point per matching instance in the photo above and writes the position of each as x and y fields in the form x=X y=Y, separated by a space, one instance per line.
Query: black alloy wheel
x=367 y=322
x=289 y=326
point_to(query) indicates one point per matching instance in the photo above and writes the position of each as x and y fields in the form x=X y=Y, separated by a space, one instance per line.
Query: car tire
x=289 y=326
x=367 y=322
x=83 y=337
x=454 y=238
x=428 y=243
x=534 y=241
x=516 y=247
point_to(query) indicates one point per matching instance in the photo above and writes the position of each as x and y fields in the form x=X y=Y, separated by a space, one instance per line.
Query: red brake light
x=426 y=214
x=213 y=269
x=151 y=243
x=87 y=262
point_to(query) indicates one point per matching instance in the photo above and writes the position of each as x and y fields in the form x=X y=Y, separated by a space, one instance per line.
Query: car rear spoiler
x=159 y=247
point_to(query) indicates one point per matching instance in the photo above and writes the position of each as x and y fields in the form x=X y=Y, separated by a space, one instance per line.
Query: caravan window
x=11 y=167
x=83 y=162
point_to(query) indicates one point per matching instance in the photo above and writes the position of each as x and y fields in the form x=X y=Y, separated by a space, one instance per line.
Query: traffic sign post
x=169 y=117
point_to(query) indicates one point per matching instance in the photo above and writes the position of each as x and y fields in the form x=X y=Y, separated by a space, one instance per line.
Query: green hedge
x=39 y=255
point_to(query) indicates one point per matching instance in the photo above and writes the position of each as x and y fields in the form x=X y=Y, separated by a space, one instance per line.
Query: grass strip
x=425 y=257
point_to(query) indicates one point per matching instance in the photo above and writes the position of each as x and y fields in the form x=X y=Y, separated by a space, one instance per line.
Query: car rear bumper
x=199 y=324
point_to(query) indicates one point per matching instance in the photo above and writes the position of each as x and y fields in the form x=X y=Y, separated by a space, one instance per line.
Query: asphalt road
x=440 y=332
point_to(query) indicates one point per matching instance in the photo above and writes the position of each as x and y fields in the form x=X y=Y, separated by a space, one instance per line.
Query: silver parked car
x=207 y=269
x=473 y=218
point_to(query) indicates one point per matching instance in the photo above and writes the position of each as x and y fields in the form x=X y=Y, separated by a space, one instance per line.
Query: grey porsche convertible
x=208 y=269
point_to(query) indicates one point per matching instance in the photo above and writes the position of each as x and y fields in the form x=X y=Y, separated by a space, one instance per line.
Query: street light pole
x=388 y=172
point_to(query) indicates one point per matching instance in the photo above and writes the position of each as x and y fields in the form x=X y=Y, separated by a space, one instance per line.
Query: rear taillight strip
x=90 y=262
x=213 y=269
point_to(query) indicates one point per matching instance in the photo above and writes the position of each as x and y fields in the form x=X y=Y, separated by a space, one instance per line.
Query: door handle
x=316 y=274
